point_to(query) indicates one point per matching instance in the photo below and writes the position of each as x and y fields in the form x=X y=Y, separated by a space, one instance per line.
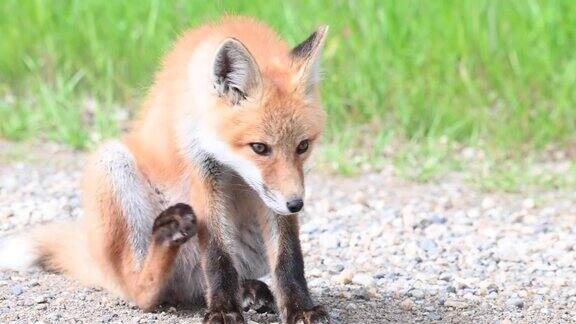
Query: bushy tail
x=60 y=246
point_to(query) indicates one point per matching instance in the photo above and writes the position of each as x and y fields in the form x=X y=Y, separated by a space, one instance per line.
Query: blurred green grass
x=501 y=74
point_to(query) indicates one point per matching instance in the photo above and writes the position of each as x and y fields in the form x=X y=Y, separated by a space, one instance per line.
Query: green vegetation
x=489 y=73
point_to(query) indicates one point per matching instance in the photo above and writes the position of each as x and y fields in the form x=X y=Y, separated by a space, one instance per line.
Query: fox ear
x=306 y=58
x=236 y=74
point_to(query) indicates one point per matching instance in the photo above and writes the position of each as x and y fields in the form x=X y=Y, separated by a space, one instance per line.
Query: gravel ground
x=377 y=249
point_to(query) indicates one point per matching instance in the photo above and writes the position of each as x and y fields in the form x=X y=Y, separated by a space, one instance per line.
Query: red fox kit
x=226 y=128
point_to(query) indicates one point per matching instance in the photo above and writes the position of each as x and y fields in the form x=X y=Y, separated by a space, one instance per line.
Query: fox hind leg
x=172 y=228
x=132 y=238
x=257 y=296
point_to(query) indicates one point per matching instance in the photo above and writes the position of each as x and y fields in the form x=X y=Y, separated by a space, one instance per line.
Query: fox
x=200 y=198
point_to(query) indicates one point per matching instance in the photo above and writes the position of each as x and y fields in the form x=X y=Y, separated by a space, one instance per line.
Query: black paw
x=175 y=225
x=315 y=315
x=223 y=317
x=257 y=296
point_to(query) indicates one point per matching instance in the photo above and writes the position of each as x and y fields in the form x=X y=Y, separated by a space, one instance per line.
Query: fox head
x=265 y=121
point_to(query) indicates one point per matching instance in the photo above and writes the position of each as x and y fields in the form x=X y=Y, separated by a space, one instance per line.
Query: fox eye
x=261 y=148
x=302 y=147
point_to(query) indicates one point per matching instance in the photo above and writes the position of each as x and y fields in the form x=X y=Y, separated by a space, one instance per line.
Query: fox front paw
x=175 y=225
x=315 y=315
x=220 y=317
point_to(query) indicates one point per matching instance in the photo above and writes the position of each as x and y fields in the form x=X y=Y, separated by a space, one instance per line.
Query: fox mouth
x=271 y=199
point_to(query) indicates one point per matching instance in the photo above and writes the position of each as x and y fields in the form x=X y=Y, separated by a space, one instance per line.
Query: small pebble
x=40 y=299
x=407 y=304
x=450 y=289
x=516 y=302
x=345 y=277
x=363 y=279
x=16 y=290
x=41 y=306
x=417 y=294
x=455 y=304
x=361 y=293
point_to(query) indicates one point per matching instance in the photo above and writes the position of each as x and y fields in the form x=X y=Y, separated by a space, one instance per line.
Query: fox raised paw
x=175 y=225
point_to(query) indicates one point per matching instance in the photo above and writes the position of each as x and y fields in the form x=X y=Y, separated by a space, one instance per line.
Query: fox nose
x=295 y=205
